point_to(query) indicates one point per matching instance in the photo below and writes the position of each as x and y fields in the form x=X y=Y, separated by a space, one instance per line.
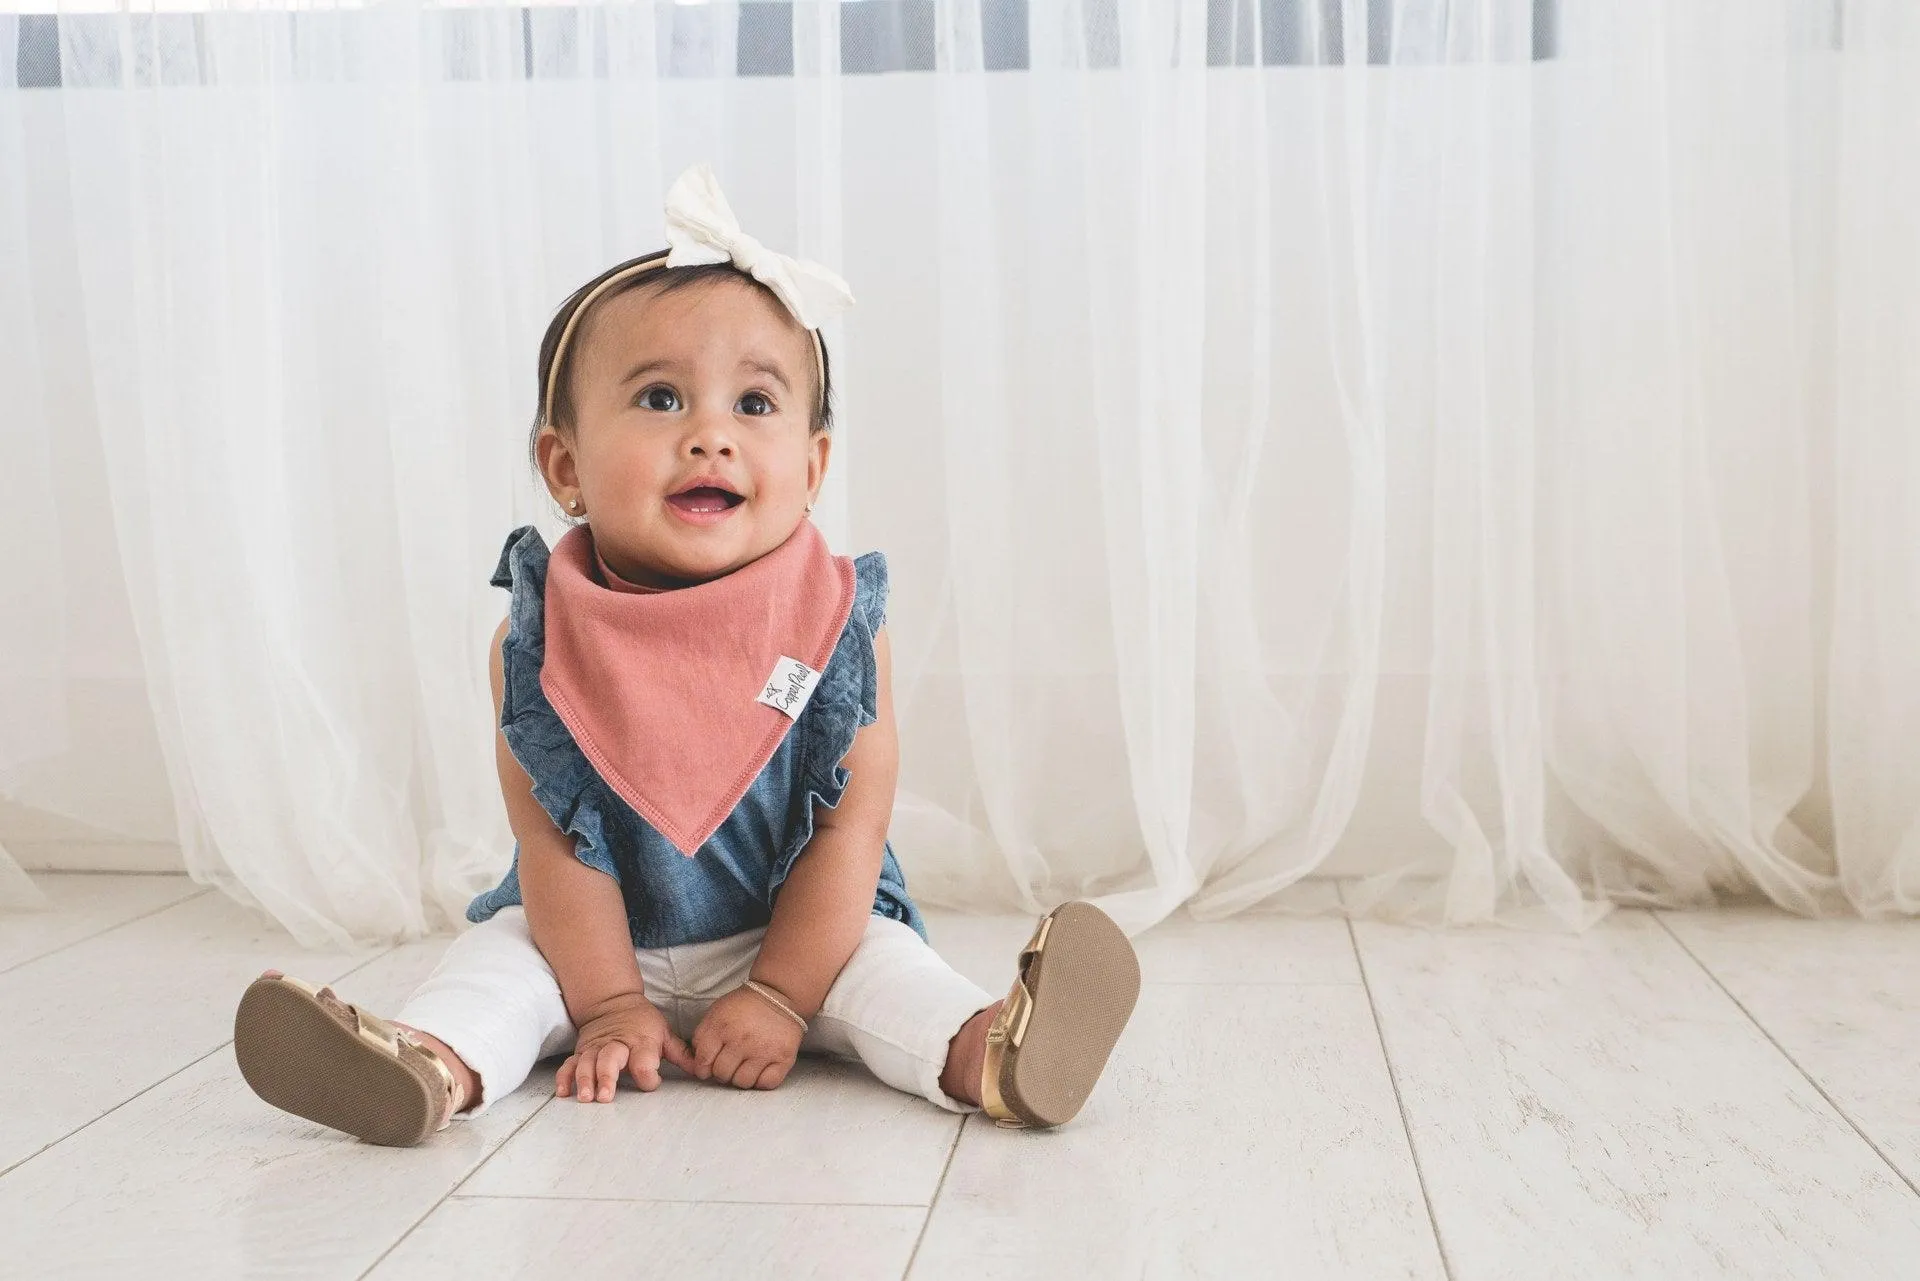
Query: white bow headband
x=702 y=229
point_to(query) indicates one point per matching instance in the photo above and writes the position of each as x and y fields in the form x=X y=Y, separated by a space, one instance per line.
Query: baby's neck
x=614 y=582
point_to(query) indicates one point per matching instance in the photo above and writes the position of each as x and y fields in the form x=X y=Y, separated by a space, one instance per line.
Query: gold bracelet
x=774 y=999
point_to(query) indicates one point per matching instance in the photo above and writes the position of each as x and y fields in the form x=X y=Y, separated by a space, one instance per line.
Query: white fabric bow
x=701 y=229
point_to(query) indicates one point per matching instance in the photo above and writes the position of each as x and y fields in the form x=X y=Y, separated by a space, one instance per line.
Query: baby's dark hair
x=666 y=281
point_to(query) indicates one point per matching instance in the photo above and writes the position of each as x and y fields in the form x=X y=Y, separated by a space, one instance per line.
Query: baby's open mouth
x=705 y=500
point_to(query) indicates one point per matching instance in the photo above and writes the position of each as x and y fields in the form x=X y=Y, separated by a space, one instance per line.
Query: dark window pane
x=886 y=35
x=36 y=63
x=1003 y=35
x=766 y=39
x=1545 y=13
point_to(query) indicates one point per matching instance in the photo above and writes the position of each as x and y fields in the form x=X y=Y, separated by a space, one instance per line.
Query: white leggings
x=895 y=1006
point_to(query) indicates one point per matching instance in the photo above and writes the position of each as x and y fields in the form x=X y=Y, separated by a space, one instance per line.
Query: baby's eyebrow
x=646 y=367
x=754 y=364
x=762 y=366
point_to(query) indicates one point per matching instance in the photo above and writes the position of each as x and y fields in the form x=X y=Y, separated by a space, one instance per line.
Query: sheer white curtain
x=1467 y=447
x=33 y=721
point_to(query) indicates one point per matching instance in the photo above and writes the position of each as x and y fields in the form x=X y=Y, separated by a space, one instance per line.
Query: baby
x=698 y=756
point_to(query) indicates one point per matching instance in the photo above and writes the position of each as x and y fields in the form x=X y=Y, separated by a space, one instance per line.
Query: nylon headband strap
x=636 y=269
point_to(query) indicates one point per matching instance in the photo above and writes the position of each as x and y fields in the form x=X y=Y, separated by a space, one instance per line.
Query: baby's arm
x=579 y=923
x=821 y=914
x=818 y=919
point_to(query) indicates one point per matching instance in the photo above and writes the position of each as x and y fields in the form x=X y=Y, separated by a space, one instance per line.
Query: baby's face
x=693 y=448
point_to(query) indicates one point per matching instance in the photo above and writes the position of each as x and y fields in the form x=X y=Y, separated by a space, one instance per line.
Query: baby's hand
x=627 y=1032
x=746 y=1041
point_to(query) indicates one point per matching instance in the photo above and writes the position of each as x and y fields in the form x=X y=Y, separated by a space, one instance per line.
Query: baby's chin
x=702 y=557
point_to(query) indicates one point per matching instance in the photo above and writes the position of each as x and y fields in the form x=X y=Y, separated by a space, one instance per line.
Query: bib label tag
x=790 y=686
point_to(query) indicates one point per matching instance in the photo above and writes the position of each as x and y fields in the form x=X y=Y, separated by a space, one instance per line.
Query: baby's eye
x=755 y=405
x=659 y=398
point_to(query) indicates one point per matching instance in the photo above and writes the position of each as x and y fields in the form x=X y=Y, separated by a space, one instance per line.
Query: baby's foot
x=1050 y=1041
x=967 y=1056
x=307 y=1052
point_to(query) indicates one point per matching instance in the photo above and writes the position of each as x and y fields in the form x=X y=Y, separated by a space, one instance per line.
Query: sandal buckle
x=1039 y=939
x=1014 y=1015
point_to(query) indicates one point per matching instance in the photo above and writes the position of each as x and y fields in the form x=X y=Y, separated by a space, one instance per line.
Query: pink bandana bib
x=680 y=698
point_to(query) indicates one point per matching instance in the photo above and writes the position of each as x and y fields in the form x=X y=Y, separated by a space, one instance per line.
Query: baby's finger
x=583 y=1082
x=706 y=1047
x=747 y=1073
x=563 y=1077
x=726 y=1063
x=586 y=1085
x=607 y=1065
x=772 y=1075
x=675 y=1051
x=644 y=1065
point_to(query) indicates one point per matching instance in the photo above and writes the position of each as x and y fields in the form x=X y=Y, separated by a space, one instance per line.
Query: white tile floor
x=1666 y=1096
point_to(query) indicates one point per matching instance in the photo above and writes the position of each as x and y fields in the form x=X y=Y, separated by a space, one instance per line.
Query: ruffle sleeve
x=846 y=701
x=562 y=778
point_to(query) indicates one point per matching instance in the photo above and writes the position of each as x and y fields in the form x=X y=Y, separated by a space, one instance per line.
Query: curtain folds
x=1466 y=448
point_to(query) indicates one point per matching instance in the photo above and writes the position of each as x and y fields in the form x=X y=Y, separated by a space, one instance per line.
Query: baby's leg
x=466 y=1084
x=967 y=1056
x=491 y=1009
x=905 y=1013
x=921 y=1027
x=470 y=1034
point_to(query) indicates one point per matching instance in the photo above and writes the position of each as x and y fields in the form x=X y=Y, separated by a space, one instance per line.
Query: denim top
x=729 y=885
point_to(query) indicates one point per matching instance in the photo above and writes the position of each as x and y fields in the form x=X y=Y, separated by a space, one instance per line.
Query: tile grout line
x=464 y=1180
x=148 y=1089
x=102 y=871
x=1400 y=1102
x=1278 y=983
x=932 y=1204
x=1762 y=1028
x=655 y=1200
x=202 y=892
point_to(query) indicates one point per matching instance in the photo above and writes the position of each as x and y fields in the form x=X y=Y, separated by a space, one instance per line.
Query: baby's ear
x=557 y=466
x=819 y=451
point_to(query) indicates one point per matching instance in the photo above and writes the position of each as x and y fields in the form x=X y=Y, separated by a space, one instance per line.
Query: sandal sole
x=1085 y=982
x=301 y=1059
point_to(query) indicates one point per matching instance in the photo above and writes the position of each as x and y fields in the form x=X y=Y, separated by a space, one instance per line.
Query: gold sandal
x=307 y=1052
x=1050 y=1042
